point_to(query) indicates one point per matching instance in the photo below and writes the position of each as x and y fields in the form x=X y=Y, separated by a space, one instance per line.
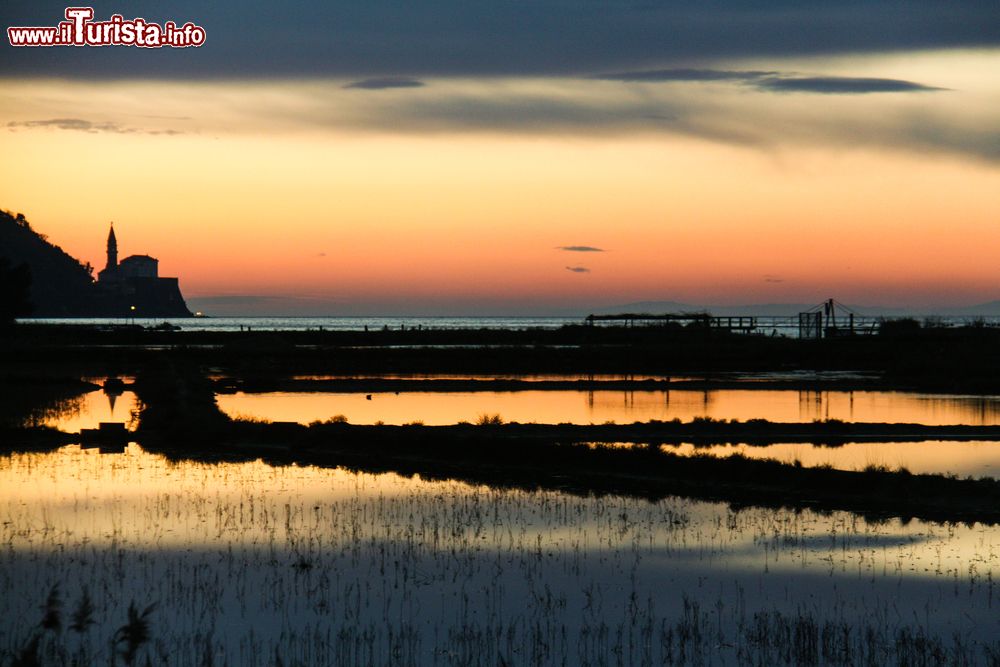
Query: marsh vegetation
x=250 y=563
x=473 y=539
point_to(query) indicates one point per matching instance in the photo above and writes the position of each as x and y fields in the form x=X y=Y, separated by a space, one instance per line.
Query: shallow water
x=90 y=409
x=963 y=459
x=976 y=459
x=596 y=407
x=249 y=561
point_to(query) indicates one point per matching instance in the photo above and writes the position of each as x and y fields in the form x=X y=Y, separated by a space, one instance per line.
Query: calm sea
x=326 y=323
x=780 y=325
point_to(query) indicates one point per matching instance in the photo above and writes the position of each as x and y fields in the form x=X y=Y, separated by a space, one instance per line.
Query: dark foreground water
x=253 y=564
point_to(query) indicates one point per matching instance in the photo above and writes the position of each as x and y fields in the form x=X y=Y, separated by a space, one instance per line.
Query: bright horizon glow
x=455 y=198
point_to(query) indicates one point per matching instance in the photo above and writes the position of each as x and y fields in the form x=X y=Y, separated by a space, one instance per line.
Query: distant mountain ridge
x=988 y=309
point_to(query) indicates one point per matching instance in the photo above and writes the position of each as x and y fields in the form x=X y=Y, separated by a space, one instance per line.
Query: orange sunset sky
x=461 y=192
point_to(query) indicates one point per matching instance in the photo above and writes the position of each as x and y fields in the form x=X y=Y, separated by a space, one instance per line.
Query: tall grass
x=46 y=644
x=255 y=564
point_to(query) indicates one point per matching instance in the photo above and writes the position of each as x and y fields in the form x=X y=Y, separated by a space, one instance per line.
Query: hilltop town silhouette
x=52 y=283
x=133 y=287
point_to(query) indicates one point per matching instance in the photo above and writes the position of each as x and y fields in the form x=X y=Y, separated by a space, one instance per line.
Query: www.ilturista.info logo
x=79 y=29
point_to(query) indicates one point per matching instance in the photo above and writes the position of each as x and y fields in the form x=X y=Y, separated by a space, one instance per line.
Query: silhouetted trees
x=59 y=285
x=15 y=292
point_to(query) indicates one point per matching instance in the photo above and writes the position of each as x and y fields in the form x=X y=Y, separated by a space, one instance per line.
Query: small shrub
x=489 y=420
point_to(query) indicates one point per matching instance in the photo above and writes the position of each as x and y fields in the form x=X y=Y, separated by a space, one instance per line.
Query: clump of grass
x=44 y=647
x=28 y=655
x=250 y=419
x=83 y=615
x=336 y=419
x=52 y=620
x=134 y=633
x=487 y=419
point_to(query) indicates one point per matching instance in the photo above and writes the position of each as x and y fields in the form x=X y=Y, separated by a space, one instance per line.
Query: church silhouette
x=134 y=288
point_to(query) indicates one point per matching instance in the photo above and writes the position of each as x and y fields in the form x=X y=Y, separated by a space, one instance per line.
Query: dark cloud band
x=385 y=82
x=835 y=85
x=774 y=81
x=345 y=38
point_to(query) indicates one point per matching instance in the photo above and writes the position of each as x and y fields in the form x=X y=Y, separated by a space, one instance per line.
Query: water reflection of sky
x=89 y=492
x=222 y=545
x=90 y=409
x=964 y=459
x=597 y=407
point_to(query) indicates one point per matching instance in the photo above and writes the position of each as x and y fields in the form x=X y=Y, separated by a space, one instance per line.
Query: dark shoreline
x=945 y=360
x=373 y=384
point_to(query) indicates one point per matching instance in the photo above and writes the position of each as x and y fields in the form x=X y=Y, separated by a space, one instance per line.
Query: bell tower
x=112 y=249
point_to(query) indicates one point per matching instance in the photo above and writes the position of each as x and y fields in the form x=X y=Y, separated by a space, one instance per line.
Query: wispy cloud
x=578 y=269
x=958 y=121
x=385 y=82
x=579 y=248
x=75 y=124
x=81 y=125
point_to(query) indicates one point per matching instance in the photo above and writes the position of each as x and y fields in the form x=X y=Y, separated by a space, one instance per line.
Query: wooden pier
x=829 y=319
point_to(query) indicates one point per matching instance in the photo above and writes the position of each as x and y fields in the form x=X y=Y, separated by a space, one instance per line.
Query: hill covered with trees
x=60 y=285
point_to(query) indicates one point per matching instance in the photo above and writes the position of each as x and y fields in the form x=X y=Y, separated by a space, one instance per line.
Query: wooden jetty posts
x=826 y=320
